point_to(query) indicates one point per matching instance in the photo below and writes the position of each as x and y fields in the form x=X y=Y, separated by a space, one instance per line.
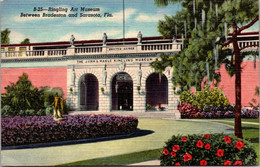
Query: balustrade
x=154 y=47
x=83 y=50
x=62 y=52
x=120 y=49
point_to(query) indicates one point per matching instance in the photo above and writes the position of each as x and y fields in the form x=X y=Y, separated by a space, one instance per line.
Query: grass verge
x=120 y=159
x=255 y=120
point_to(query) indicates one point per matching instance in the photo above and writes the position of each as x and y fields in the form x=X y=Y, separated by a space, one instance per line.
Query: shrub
x=206 y=99
x=48 y=96
x=40 y=112
x=48 y=110
x=187 y=96
x=229 y=114
x=34 y=129
x=22 y=99
x=247 y=113
x=22 y=95
x=49 y=93
x=7 y=111
x=188 y=111
x=209 y=149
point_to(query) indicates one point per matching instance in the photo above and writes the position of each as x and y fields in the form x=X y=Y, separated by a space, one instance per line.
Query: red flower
x=184 y=138
x=177 y=164
x=227 y=139
x=227 y=162
x=238 y=163
x=165 y=151
x=206 y=136
x=220 y=153
x=187 y=157
x=239 y=144
x=207 y=146
x=203 y=162
x=173 y=154
x=175 y=148
x=199 y=143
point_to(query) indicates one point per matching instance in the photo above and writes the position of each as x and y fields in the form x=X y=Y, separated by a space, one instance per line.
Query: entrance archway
x=122 y=92
x=156 y=92
x=89 y=93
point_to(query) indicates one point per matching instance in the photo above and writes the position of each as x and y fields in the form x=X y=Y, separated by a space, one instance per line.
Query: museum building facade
x=100 y=75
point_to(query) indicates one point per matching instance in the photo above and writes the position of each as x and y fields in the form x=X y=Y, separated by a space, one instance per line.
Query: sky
x=140 y=15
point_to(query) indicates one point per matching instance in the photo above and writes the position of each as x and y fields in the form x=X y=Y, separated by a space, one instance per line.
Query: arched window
x=156 y=92
x=89 y=93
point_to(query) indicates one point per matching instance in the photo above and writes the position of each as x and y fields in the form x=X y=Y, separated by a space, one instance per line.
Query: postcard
x=129 y=82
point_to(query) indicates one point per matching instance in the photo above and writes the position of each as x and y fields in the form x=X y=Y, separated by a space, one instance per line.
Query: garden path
x=163 y=130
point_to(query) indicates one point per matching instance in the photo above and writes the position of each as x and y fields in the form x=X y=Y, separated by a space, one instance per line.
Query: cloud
x=17 y=37
x=77 y=36
x=113 y=33
x=24 y=19
x=131 y=34
x=148 y=18
x=117 y=17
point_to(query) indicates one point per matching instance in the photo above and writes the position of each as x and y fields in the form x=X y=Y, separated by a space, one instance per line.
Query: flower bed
x=209 y=149
x=250 y=113
x=42 y=129
x=189 y=111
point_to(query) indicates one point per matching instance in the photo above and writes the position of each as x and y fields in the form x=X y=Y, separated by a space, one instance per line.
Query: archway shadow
x=137 y=133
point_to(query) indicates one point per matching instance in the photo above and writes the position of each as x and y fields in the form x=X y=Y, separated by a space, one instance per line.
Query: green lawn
x=256 y=120
x=153 y=134
x=250 y=120
x=120 y=159
x=250 y=133
x=150 y=146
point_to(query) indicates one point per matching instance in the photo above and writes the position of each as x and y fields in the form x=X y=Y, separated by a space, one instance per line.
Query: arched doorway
x=156 y=92
x=122 y=92
x=89 y=93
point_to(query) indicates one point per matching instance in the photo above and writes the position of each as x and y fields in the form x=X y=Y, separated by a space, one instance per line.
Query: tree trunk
x=238 y=126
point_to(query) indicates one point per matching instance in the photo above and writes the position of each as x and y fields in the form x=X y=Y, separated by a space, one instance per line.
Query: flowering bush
x=209 y=149
x=34 y=129
x=247 y=113
x=188 y=111
x=218 y=114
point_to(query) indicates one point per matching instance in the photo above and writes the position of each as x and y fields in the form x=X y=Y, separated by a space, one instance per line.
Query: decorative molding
x=33 y=59
x=66 y=58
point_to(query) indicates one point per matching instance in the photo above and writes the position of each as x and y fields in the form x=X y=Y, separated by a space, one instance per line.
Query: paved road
x=161 y=130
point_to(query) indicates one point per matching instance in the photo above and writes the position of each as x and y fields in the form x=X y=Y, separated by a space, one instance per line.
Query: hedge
x=208 y=150
x=41 y=129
